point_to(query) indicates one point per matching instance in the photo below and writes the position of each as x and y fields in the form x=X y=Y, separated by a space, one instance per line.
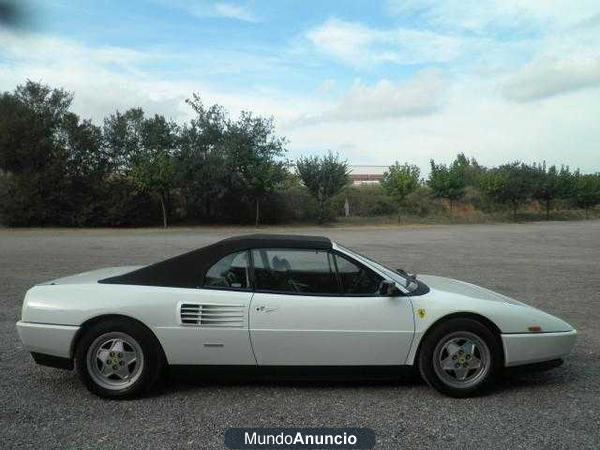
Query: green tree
x=256 y=154
x=42 y=146
x=153 y=168
x=400 y=180
x=467 y=169
x=324 y=177
x=142 y=149
x=30 y=120
x=122 y=134
x=86 y=168
x=81 y=142
x=587 y=191
x=201 y=174
x=224 y=165
x=550 y=183
x=447 y=182
x=512 y=184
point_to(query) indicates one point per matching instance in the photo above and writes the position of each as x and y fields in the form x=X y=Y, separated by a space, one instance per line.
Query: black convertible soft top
x=187 y=270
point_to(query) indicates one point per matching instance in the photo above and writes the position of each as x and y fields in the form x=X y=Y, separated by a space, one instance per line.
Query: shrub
x=474 y=197
x=422 y=202
x=292 y=204
x=367 y=200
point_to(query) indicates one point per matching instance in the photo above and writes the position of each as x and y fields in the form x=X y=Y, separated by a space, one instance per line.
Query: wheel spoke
x=106 y=370
x=117 y=346
x=129 y=357
x=461 y=373
x=122 y=372
x=474 y=363
x=103 y=355
x=452 y=348
x=468 y=347
x=448 y=363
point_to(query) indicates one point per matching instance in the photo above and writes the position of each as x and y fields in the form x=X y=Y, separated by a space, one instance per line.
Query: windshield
x=404 y=280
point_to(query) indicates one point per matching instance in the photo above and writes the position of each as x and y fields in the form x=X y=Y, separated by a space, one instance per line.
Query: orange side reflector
x=535 y=329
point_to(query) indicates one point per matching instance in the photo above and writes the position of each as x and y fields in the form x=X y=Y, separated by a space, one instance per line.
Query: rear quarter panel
x=73 y=304
x=155 y=307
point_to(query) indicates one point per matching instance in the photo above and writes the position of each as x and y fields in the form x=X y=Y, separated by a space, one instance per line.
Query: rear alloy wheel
x=115 y=361
x=460 y=357
x=118 y=358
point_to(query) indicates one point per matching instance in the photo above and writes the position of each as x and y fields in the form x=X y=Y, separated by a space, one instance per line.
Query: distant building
x=367 y=174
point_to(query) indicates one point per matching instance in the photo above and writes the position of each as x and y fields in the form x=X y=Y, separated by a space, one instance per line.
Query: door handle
x=263 y=308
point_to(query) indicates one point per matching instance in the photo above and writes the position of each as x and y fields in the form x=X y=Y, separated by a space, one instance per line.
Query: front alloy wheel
x=460 y=357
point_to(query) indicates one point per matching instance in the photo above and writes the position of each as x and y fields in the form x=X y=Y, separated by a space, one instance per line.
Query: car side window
x=356 y=279
x=295 y=271
x=231 y=272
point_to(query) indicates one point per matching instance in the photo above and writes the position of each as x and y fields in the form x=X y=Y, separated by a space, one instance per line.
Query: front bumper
x=520 y=349
x=47 y=339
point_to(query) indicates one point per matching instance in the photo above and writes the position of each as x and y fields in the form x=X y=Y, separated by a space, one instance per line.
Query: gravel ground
x=553 y=266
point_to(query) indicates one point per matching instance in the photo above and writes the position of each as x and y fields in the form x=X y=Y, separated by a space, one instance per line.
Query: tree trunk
x=164 y=210
x=514 y=210
x=451 y=205
x=547 y=209
x=320 y=207
x=257 y=211
x=321 y=211
x=207 y=211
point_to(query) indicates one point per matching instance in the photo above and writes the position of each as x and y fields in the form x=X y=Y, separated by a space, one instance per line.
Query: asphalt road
x=553 y=266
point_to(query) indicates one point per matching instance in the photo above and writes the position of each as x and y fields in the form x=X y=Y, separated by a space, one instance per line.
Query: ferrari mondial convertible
x=277 y=302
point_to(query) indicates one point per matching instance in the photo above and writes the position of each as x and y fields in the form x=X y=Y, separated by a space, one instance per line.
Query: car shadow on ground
x=409 y=379
x=189 y=381
x=177 y=380
x=534 y=379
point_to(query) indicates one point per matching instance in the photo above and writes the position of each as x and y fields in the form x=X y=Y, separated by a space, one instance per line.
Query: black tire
x=434 y=351
x=151 y=368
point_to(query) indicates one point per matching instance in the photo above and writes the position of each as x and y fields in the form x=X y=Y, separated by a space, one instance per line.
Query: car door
x=212 y=321
x=315 y=307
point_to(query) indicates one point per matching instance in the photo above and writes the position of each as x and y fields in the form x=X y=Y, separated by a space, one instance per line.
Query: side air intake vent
x=212 y=315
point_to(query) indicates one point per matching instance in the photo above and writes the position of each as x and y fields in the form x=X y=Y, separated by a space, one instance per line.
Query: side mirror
x=389 y=289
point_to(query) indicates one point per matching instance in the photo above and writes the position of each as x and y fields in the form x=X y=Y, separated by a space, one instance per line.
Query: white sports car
x=265 y=302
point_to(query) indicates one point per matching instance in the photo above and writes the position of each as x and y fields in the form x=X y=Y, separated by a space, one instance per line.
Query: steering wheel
x=357 y=280
x=230 y=278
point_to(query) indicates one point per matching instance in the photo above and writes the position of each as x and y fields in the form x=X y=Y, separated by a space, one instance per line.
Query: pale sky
x=375 y=81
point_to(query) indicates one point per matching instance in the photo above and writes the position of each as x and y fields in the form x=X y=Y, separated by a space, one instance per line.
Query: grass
x=439 y=217
x=471 y=217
